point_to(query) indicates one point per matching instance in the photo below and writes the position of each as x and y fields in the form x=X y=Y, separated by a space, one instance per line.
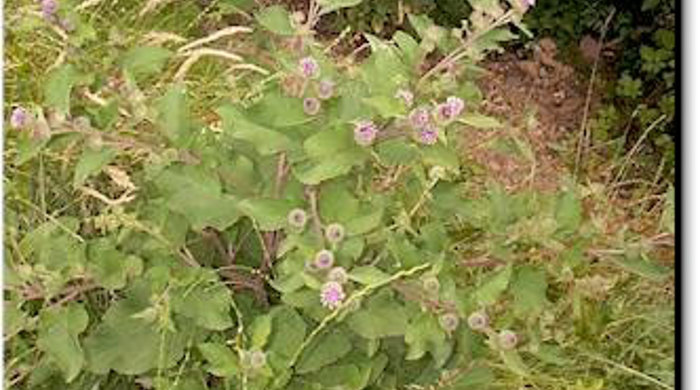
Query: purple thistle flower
x=332 y=295
x=338 y=274
x=478 y=321
x=324 y=259
x=449 y=322
x=419 y=117
x=428 y=135
x=48 y=9
x=18 y=118
x=406 y=96
x=311 y=106
x=325 y=89
x=507 y=339
x=528 y=3
x=365 y=133
x=457 y=105
x=297 y=218
x=335 y=233
x=308 y=67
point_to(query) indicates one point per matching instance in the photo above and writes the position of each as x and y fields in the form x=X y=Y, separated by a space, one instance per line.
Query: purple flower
x=365 y=133
x=478 y=321
x=308 y=67
x=338 y=274
x=311 y=106
x=335 y=233
x=528 y=3
x=450 y=109
x=419 y=117
x=507 y=339
x=324 y=259
x=48 y=9
x=18 y=118
x=325 y=89
x=449 y=322
x=406 y=96
x=297 y=218
x=332 y=295
x=428 y=135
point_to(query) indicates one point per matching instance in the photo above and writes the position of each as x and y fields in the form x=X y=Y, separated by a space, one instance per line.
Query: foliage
x=309 y=225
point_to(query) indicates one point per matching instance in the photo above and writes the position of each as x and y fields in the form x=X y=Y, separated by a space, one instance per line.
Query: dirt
x=541 y=101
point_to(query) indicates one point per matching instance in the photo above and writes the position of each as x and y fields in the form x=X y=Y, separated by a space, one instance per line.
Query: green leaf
x=368 y=275
x=174 y=116
x=143 y=61
x=58 y=87
x=328 y=168
x=397 y=152
x=260 y=330
x=110 y=267
x=268 y=214
x=130 y=345
x=324 y=350
x=385 y=106
x=222 y=361
x=333 y=5
x=529 y=290
x=276 y=19
x=423 y=335
x=336 y=203
x=196 y=194
x=58 y=337
x=408 y=46
x=514 y=362
x=91 y=162
x=568 y=212
x=440 y=155
x=345 y=376
x=479 y=121
x=329 y=143
x=643 y=267
x=381 y=316
x=207 y=301
x=365 y=223
x=237 y=126
x=489 y=291
x=476 y=378
x=278 y=111
x=288 y=332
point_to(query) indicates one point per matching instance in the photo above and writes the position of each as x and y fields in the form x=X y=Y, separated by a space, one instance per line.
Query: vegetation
x=239 y=207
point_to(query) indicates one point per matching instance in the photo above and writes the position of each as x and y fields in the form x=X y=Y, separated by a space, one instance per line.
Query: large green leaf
x=128 y=344
x=568 y=212
x=368 y=275
x=489 y=291
x=423 y=335
x=324 y=350
x=222 y=361
x=529 y=289
x=91 y=162
x=381 y=316
x=328 y=168
x=174 y=116
x=58 y=87
x=265 y=141
x=268 y=214
x=206 y=301
x=288 y=332
x=336 y=203
x=143 y=61
x=276 y=19
x=58 y=337
x=333 y=5
x=110 y=267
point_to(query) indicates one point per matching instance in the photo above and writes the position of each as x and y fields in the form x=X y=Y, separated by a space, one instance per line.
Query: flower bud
x=312 y=106
x=308 y=67
x=258 y=359
x=478 y=321
x=19 y=118
x=335 y=233
x=449 y=322
x=338 y=274
x=325 y=89
x=428 y=135
x=324 y=259
x=297 y=218
x=431 y=284
x=365 y=133
x=507 y=339
x=332 y=295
